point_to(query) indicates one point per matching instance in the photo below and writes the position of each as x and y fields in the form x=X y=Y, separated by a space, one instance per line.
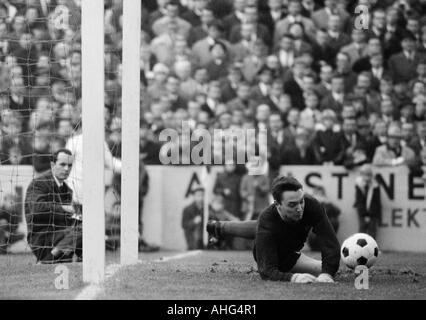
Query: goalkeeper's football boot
x=214 y=231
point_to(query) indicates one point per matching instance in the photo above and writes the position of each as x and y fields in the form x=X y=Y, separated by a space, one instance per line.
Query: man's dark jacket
x=44 y=213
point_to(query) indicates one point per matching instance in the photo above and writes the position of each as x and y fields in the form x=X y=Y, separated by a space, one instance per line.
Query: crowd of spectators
x=40 y=79
x=327 y=91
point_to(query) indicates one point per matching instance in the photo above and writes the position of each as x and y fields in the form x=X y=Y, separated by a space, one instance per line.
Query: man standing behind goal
x=281 y=232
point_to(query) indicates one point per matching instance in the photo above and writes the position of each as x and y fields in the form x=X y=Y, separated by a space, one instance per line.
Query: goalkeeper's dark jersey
x=278 y=242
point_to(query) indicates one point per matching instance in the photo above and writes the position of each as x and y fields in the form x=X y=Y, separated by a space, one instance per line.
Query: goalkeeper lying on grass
x=281 y=232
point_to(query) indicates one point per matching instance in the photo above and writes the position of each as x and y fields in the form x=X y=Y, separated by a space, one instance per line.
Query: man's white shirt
x=75 y=179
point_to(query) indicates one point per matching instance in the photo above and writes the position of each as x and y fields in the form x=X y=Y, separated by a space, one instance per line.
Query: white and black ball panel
x=359 y=249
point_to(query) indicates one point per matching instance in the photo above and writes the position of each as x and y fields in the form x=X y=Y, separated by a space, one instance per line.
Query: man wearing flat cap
x=393 y=153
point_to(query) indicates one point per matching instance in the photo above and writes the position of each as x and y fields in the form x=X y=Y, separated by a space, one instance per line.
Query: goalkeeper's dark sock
x=241 y=229
x=214 y=229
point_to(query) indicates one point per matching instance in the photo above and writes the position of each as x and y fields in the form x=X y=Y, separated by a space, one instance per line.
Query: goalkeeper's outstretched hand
x=303 y=278
x=325 y=278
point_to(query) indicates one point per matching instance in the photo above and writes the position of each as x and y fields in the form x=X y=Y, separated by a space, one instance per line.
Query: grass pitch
x=213 y=275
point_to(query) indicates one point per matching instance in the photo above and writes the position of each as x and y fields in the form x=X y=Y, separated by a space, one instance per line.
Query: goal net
x=41 y=108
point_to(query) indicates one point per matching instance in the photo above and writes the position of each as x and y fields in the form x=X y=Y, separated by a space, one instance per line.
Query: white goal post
x=130 y=131
x=92 y=31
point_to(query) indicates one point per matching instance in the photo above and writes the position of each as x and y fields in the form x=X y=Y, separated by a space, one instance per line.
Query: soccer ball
x=359 y=249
